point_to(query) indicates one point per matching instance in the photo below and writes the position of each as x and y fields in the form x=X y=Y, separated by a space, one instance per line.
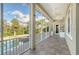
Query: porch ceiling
x=56 y=10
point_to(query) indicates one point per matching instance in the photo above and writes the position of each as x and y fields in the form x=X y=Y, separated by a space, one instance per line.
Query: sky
x=13 y=9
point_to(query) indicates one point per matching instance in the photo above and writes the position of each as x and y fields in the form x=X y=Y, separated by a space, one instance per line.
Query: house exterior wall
x=61 y=25
x=71 y=38
x=77 y=28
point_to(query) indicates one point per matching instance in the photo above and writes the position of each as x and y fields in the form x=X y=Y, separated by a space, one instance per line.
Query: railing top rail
x=15 y=37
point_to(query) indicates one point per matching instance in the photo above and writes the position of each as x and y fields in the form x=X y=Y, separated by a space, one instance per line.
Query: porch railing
x=14 y=46
x=20 y=44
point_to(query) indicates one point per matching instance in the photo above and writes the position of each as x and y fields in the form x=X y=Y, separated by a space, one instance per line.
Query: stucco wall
x=71 y=38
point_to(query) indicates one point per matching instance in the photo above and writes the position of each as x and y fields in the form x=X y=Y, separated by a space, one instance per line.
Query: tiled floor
x=51 y=46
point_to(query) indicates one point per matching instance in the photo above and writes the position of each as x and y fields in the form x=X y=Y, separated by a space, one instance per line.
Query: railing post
x=32 y=26
x=1 y=28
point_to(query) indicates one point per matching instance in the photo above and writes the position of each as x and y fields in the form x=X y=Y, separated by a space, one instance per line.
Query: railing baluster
x=13 y=46
x=10 y=46
x=21 y=46
x=16 y=46
x=6 y=47
x=3 y=47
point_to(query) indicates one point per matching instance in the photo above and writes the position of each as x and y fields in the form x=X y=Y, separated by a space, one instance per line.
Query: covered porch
x=51 y=40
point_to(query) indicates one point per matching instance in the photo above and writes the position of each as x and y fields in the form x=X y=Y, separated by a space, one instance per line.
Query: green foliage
x=15 y=24
x=20 y=30
x=39 y=22
x=46 y=29
x=16 y=27
x=38 y=30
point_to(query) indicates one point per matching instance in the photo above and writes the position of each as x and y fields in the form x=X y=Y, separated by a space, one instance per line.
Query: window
x=69 y=23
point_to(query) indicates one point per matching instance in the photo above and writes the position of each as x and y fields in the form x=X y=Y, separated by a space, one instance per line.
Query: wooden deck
x=54 y=45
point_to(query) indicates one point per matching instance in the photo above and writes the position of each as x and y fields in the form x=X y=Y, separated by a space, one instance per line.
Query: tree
x=15 y=25
x=39 y=23
x=6 y=28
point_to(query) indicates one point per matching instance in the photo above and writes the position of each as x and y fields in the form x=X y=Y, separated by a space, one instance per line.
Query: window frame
x=69 y=24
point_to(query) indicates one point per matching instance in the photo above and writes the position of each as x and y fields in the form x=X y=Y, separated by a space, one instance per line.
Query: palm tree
x=15 y=25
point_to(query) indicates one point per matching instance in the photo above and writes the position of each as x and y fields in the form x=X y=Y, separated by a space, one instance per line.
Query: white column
x=52 y=28
x=1 y=28
x=46 y=33
x=49 y=29
x=32 y=26
x=41 y=32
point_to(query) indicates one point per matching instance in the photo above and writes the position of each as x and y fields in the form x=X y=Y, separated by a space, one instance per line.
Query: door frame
x=58 y=28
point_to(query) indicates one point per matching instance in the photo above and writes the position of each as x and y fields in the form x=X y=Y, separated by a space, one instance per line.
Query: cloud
x=24 y=18
x=20 y=16
x=42 y=17
x=18 y=13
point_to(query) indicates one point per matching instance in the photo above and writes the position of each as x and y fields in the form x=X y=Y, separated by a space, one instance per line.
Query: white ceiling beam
x=44 y=12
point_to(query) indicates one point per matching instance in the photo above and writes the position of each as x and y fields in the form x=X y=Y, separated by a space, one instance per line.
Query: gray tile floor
x=54 y=45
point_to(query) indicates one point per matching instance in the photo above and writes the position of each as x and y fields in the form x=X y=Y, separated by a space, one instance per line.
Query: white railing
x=15 y=45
